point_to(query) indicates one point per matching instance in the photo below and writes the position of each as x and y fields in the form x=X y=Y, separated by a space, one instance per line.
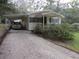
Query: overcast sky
x=65 y=1
x=21 y=3
x=62 y=1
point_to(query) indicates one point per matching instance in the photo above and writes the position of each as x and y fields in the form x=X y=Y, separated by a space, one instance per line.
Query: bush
x=75 y=27
x=4 y=27
x=57 y=32
x=38 y=29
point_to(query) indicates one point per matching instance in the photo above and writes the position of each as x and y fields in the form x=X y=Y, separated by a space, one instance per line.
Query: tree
x=71 y=15
x=23 y=5
x=53 y=5
x=5 y=7
x=50 y=5
x=74 y=4
x=30 y=5
x=3 y=1
x=71 y=12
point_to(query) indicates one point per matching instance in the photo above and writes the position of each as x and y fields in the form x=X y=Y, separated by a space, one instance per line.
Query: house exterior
x=43 y=18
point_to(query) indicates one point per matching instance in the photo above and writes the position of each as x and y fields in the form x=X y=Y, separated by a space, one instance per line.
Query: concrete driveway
x=20 y=44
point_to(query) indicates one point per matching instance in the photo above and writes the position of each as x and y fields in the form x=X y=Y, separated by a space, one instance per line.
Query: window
x=37 y=20
x=54 y=20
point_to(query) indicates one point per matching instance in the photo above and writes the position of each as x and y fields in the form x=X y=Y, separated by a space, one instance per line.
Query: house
x=43 y=18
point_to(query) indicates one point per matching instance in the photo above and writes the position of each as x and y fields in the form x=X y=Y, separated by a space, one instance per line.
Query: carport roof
x=15 y=15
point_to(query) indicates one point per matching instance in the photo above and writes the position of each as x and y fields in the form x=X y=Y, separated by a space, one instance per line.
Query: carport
x=24 y=17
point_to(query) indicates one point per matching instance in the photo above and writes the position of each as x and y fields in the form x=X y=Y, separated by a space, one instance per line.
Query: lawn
x=75 y=43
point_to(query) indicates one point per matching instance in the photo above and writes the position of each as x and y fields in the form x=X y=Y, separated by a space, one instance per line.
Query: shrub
x=57 y=32
x=75 y=27
x=60 y=32
x=38 y=29
x=4 y=27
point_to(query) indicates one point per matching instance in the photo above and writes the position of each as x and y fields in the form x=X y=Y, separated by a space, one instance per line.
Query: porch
x=44 y=18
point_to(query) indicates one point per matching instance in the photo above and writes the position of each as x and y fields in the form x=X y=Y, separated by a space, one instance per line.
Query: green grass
x=75 y=43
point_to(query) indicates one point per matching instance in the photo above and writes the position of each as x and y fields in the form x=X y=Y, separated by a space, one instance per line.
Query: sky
x=19 y=2
x=62 y=1
x=65 y=1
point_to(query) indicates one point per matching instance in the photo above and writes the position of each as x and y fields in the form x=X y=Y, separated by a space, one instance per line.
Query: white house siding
x=59 y=20
x=54 y=20
x=32 y=25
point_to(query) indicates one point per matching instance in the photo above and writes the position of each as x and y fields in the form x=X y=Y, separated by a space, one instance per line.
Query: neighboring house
x=44 y=18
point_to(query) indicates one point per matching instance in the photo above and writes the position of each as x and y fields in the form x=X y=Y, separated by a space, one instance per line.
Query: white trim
x=43 y=22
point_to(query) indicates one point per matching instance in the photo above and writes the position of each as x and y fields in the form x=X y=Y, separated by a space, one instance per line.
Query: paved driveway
x=24 y=45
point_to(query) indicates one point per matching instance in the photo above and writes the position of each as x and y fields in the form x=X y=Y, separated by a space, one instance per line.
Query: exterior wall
x=48 y=20
x=32 y=26
x=60 y=20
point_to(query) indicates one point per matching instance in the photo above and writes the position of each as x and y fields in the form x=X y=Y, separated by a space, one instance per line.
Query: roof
x=15 y=15
x=46 y=13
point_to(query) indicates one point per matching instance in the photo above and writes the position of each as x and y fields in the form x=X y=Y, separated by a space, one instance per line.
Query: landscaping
x=3 y=31
x=3 y=27
x=56 y=32
x=75 y=43
x=62 y=35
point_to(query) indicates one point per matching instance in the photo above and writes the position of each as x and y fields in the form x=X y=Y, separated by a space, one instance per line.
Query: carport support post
x=43 y=21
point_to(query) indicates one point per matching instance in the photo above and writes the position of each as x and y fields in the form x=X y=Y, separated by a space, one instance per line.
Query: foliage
x=70 y=9
x=75 y=42
x=5 y=7
x=75 y=27
x=38 y=29
x=4 y=27
x=3 y=1
x=71 y=15
x=29 y=5
x=56 y=32
x=52 y=5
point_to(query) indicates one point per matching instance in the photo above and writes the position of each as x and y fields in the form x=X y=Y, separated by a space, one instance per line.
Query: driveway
x=20 y=44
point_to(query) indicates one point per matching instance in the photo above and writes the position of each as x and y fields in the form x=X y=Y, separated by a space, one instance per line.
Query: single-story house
x=31 y=20
x=44 y=18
